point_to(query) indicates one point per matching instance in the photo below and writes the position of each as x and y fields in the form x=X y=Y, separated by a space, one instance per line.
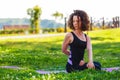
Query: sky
x=94 y=8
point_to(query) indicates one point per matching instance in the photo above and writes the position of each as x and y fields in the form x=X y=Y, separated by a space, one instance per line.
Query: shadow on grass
x=35 y=55
x=48 y=55
x=101 y=38
x=107 y=53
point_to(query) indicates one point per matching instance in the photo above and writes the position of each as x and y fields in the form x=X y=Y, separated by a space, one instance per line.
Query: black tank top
x=77 y=48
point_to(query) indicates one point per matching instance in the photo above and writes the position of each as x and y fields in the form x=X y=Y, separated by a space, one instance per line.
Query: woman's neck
x=78 y=31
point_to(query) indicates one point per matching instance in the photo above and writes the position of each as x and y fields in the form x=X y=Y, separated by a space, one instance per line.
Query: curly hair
x=84 y=19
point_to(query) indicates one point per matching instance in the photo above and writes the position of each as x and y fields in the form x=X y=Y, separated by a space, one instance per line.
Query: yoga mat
x=111 y=69
x=64 y=71
x=49 y=72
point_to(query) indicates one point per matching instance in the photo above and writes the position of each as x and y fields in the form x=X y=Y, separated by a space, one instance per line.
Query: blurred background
x=50 y=16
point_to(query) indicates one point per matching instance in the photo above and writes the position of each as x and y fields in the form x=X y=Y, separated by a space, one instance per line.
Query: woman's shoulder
x=68 y=34
x=69 y=37
x=87 y=36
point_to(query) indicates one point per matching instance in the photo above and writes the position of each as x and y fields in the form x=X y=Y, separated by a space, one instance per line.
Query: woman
x=78 y=42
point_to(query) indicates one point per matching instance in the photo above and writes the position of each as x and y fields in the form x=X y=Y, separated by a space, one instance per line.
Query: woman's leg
x=82 y=67
x=97 y=65
x=69 y=68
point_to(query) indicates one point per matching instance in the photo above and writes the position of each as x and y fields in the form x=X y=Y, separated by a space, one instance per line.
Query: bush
x=60 y=29
x=48 y=30
x=11 y=31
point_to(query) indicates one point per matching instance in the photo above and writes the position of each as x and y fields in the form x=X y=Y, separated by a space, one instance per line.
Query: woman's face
x=76 y=22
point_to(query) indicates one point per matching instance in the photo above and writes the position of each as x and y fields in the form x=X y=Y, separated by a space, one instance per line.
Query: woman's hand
x=90 y=65
x=67 y=52
x=81 y=63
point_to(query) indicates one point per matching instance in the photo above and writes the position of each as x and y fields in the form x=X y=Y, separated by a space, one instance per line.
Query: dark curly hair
x=84 y=19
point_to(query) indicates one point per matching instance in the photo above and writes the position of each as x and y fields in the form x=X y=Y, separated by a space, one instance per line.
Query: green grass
x=45 y=53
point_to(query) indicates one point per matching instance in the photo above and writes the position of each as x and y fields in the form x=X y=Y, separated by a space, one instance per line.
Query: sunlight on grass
x=45 y=53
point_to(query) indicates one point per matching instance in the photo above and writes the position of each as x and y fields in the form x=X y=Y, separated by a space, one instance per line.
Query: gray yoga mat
x=60 y=71
x=64 y=71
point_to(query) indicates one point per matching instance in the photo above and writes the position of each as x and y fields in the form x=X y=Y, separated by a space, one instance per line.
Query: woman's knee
x=69 y=68
x=97 y=65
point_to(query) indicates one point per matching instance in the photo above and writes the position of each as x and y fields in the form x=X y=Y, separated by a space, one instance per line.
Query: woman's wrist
x=91 y=61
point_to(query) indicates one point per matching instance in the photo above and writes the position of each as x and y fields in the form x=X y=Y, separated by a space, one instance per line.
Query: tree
x=65 y=25
x=57 y=15
x=31 y=13
x=91 y=23
x=35 y=14
x=103 y=22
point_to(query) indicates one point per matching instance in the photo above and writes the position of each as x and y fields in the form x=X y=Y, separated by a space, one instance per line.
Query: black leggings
x=70 y=68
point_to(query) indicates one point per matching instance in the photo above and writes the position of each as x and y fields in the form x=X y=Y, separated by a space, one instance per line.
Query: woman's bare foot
x=81 y=63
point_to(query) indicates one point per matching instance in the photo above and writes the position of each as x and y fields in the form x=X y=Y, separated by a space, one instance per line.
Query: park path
x=31 y=36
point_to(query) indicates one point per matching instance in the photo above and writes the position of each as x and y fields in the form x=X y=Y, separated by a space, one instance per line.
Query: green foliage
x=51 y=30
x=45 y=54
x=57 y=14
x=60 y=29
x=48 y=30
x=35 y=14
x=12 y=32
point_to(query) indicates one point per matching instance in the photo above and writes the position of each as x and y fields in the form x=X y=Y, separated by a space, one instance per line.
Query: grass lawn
x=45 y=54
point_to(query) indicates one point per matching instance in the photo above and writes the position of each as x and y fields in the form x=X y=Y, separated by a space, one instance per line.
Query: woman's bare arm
x=90 y=53
x=66 y=43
